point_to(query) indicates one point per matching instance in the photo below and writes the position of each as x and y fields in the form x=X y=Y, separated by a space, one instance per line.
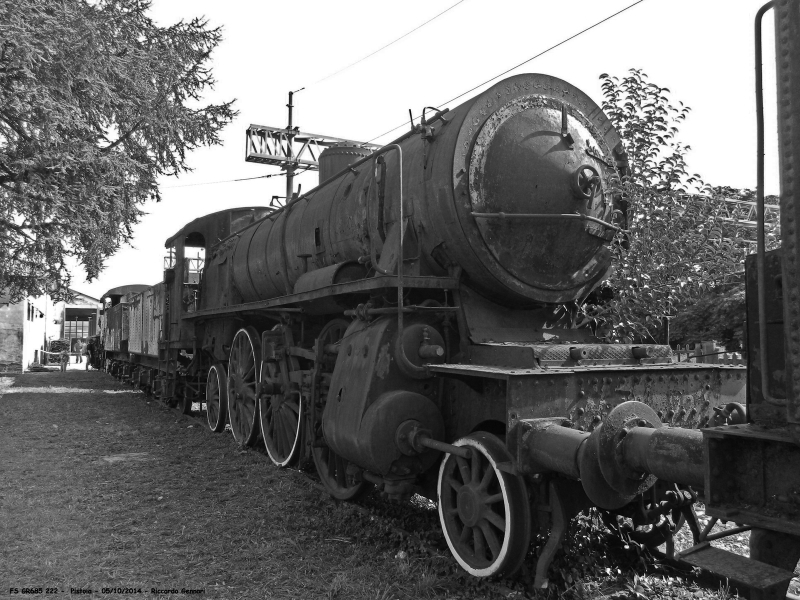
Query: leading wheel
x=242 y=381
x=217 y=397
x=484 y=511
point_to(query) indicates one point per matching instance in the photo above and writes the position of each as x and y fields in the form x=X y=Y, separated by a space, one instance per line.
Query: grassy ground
x=102 y=489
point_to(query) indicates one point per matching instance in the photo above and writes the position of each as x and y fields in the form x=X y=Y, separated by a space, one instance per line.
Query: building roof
x=125 y=289
x=82 y=296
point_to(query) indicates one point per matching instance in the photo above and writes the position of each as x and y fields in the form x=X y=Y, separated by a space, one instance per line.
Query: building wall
x=35 y=329
x=26 y=328
x=12 y=319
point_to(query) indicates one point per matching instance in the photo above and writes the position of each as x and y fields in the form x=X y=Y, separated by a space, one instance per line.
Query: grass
x=106 y=489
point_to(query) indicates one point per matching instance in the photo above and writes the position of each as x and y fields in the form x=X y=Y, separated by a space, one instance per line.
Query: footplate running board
x=771 y=581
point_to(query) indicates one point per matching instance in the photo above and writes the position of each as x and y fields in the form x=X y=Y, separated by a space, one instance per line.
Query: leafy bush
x=684 y=238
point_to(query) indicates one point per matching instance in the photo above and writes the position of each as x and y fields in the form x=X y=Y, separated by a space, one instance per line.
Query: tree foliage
x=719 y=315
x=683 y=238
x=96 y=102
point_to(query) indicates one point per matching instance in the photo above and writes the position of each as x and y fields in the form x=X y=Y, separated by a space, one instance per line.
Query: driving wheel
x=217 y=397
x=242 y=383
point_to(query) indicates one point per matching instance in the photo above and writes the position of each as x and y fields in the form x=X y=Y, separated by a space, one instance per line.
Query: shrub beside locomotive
x=407 y=324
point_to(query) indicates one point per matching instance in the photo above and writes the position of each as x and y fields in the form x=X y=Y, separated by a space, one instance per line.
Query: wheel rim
x=332 y=468
x=280 y=417
x=281 y=414
x=484 y=511
x=216 y=398
x=332 y=471
x=242 y=383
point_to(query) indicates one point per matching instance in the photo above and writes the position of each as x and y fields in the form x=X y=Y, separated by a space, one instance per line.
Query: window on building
x=76 y=329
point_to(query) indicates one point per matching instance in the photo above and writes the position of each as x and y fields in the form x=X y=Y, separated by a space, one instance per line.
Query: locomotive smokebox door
x=538 y=156
x=535 y=190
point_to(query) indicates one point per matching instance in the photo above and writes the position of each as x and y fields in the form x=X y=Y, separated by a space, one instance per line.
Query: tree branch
x=124 y=136
x=16 y=228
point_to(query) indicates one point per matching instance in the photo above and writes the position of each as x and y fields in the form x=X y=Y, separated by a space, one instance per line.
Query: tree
x=96 y=102
x=684 y=239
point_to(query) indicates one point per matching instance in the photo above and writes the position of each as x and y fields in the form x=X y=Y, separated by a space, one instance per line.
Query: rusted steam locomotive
x=407 y=324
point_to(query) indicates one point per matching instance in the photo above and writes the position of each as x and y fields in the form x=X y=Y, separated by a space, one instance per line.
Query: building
x=27 y=327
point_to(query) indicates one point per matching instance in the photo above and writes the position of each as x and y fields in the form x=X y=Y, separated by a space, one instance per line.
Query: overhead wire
x=389 y=44
x=543 y=52
x=169 y=187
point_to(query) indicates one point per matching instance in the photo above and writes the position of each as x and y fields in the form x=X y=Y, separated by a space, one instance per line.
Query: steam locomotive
x=408 y=324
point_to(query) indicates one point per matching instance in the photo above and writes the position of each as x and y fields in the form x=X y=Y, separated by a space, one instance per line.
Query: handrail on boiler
x=401 y=352
x=761 y=246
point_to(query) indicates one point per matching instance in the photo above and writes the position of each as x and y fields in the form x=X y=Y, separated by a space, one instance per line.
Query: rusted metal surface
x=545 y=445
x=670 y=453
x=370 y=398
x=356 y=213
x=621 y=459
x=290 y=303
x=135 y=338
x=114 y=294
x=752 y=476
x=769 y=407
x=683 y=395
x=787 y=42
x=327 y=276
x=335 y=159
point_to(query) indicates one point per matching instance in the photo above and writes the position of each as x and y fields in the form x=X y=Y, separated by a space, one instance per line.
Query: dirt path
x=103 y=490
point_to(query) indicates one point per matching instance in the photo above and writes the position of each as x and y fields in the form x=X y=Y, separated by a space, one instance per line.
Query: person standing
x=64 y=360
x=88 y=349
x=79 y=347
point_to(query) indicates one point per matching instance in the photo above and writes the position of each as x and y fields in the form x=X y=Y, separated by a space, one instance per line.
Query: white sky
x=702 y=50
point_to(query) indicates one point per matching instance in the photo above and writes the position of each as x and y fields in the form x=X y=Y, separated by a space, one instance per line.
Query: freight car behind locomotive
x=408 y=324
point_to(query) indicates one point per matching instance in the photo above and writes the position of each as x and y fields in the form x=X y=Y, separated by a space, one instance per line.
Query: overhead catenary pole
x=275 y=146
x=290 y=165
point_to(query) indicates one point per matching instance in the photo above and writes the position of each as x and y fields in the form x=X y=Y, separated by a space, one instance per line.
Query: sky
x=702 y=50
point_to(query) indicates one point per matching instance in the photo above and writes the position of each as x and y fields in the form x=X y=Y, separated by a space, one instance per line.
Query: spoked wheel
x=217 y=397
x=242 y=383
x=484 y=511
x=280 y=411
x=332 y=470
x=331 y=467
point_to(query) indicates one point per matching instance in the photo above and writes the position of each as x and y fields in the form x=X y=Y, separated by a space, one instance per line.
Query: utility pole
x=275 y=146
x=290 y=165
